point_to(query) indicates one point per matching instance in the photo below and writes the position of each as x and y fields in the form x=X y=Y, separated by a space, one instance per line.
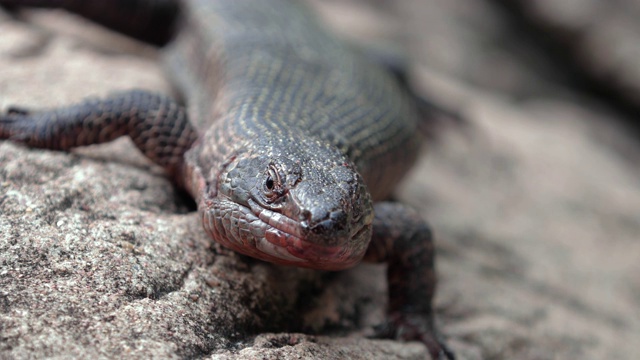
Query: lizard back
x=271 y=70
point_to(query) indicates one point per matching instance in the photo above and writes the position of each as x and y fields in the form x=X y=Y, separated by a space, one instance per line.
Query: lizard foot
x=15 y=124
x=414 y=327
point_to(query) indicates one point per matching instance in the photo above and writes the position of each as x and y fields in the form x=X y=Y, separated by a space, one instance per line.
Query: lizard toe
x=414 y=327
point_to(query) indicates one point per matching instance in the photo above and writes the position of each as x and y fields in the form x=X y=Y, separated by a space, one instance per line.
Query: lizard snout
x=325 y=226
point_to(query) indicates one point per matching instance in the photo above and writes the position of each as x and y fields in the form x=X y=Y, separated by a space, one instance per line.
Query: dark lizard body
x=287 y=139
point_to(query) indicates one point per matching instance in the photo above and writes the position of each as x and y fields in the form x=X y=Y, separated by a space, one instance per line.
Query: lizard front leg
x=158 y=126
x=403 y=240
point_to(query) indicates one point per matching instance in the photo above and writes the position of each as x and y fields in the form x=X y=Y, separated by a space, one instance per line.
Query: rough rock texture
x=534 y=204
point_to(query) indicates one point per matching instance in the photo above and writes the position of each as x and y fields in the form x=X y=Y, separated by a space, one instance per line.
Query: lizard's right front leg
x=158 y=126
x=403 y=239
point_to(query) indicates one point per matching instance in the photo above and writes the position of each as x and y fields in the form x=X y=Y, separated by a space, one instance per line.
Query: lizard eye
x=273 y=185
x=269 y=183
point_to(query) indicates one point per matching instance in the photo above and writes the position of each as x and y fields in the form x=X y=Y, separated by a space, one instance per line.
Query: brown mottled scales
x=287 y=139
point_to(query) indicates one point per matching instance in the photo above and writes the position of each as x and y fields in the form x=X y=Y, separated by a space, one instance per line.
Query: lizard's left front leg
x=403 y=240
x=158 y=126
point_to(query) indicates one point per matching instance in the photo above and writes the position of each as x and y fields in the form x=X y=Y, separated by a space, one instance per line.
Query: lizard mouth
x=287 y=233
x=271 y=236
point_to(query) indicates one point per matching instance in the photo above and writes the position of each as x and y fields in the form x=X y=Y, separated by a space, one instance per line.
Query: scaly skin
x=287 y=140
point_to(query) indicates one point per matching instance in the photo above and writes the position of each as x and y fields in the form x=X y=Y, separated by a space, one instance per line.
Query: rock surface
x=534 y=204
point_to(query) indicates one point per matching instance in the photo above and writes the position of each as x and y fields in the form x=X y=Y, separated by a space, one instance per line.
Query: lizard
x=289 y=141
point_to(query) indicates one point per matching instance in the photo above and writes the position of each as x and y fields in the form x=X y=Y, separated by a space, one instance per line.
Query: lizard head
x=306 y=206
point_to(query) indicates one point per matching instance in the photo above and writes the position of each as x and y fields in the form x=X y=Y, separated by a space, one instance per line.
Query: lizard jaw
x=272 y=237
x=287 y=233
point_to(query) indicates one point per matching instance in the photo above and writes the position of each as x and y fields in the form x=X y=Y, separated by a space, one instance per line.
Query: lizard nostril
x=305 y=215
x=339 y=218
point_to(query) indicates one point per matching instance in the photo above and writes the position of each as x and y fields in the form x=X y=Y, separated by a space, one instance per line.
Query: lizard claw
x=5 y=123
x=414 y=327
x=15 y=110
x=12 y=124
